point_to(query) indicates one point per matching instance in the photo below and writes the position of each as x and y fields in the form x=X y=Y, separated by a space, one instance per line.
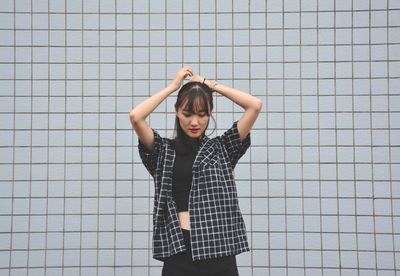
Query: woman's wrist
x=174 y=85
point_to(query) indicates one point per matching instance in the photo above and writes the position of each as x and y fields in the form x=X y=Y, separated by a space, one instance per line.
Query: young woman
x=197 y=224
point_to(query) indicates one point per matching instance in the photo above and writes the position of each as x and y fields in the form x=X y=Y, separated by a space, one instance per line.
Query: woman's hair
x=195 y=96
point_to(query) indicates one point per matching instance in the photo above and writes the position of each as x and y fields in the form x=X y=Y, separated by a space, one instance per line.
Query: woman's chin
x=193 y=136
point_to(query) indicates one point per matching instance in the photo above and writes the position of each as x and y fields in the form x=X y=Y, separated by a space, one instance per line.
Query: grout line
x=23 y=152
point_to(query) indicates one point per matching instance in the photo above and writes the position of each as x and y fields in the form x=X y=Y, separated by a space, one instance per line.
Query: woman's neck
x=186 y=144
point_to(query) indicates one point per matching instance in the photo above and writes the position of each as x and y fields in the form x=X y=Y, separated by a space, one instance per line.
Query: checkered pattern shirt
x=217 y=225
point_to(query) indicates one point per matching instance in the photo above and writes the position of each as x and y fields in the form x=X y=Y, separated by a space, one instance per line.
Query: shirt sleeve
x=234 y=147
x=149 y=158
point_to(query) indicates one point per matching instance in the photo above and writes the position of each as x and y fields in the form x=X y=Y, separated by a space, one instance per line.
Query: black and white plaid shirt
x=217 y=225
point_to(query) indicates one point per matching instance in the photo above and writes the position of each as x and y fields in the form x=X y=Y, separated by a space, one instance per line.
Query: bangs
x=196 y=102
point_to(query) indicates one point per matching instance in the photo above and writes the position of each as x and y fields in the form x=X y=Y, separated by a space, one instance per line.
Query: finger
x=189 y=69
x=189 y=72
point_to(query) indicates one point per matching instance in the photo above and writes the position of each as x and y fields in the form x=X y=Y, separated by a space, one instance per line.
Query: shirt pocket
x=212 y=176
x=209 y=159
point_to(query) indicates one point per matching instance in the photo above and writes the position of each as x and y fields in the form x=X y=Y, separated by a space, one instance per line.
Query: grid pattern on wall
x=319 y=188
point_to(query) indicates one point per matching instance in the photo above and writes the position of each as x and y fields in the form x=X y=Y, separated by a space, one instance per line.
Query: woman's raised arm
x=251 y=105
x=139 y=114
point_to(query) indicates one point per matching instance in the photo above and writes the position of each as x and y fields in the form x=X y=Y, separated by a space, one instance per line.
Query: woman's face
x=194 y=123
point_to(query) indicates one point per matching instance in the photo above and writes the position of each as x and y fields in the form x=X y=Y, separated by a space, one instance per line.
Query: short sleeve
x=150 y=158
x=233 y=145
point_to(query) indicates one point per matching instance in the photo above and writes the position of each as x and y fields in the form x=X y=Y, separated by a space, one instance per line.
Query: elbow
x=133 y=117
x=258 y=105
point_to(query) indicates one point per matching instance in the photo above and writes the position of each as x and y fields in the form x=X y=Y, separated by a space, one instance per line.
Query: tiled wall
x=319 y=188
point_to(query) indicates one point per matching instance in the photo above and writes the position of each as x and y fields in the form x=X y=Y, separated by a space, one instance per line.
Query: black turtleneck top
x=182 y=179
x=186 y=152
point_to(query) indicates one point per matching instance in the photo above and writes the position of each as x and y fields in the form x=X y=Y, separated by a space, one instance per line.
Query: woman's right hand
x=182 y=74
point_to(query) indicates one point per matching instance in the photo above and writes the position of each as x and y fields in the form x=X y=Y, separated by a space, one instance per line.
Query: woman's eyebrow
x=194 y=112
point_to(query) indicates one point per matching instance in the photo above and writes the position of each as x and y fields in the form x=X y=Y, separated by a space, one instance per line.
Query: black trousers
x=182 y=264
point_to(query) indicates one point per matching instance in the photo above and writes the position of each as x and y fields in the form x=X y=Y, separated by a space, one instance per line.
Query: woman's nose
x=194 y=121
